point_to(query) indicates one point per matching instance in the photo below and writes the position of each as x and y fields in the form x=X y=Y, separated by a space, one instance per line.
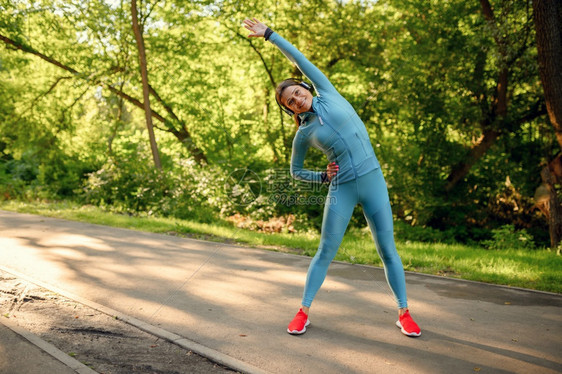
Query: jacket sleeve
x=318 y=79
x=300 y=147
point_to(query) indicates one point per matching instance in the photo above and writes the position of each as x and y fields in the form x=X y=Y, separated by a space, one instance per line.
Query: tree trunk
x=553 y=208
x=146 y=93
x=548 y=26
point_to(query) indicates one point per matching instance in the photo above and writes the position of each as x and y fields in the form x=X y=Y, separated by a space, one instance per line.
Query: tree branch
x=49 y=90
x=537 y=110
x=27 y=49
x=271 y=79
x=182 y=135
x=74 y=103
x=267 y=69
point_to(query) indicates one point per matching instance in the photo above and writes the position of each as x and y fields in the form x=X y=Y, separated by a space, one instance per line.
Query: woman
x=328 y=122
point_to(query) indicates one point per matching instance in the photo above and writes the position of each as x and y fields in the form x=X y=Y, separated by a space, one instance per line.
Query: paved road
x=238 y=301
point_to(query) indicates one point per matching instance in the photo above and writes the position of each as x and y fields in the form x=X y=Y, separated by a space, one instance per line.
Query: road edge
x=47 y=347
x=171 y=337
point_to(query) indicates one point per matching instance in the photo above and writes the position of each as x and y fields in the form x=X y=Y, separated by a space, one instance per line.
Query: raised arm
x=318 y=79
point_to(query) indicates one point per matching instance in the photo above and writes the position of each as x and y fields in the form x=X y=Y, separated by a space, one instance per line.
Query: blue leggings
x=370 y=191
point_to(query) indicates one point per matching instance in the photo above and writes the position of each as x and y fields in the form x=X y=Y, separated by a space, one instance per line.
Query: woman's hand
x=331 y=170
x=256 y=27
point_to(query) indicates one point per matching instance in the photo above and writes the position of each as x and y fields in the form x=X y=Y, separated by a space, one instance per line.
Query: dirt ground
x=101 y=342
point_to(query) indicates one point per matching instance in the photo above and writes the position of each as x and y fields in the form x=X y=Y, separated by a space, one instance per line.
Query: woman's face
x=297 y=98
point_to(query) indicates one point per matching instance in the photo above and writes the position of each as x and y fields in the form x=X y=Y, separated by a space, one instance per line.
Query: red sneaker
x=298 y=324
x=407 y=325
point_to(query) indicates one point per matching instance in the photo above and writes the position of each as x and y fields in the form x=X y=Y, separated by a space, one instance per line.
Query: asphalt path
x=238 y=301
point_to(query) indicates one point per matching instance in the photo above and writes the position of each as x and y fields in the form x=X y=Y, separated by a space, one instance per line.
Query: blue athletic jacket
x=333 y=127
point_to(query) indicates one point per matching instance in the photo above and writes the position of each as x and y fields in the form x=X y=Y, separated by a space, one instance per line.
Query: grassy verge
x=537 y=269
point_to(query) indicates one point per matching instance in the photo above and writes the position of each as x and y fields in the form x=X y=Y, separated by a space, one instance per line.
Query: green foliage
x=131 y=184
x=407 y=233
x=506 y=237
x=421 y=74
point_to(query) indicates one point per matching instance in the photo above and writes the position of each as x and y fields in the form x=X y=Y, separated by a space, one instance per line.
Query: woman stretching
x=328 y=122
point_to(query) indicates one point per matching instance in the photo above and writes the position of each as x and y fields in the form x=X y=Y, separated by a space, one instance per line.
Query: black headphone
x=297 y=83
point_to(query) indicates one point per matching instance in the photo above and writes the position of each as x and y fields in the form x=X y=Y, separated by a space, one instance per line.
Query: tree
x=494 y=114
x=91 y=41
x=548 y=25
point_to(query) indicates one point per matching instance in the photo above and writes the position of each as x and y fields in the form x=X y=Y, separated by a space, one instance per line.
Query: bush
x=18 y=177
x=506 y=237
x=60 y=176
x=405 y=232
x=131 y=184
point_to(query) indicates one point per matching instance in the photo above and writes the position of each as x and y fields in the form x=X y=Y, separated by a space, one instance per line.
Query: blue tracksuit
x=334 y=127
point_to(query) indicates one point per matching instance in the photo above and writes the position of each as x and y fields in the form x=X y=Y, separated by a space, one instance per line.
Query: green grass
x=535 y=269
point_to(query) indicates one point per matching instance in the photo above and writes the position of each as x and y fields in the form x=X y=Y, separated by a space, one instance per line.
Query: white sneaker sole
x=296 y=332
x=413 y=334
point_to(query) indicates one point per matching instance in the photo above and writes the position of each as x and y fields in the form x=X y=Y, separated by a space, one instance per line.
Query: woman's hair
x=279 y=93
